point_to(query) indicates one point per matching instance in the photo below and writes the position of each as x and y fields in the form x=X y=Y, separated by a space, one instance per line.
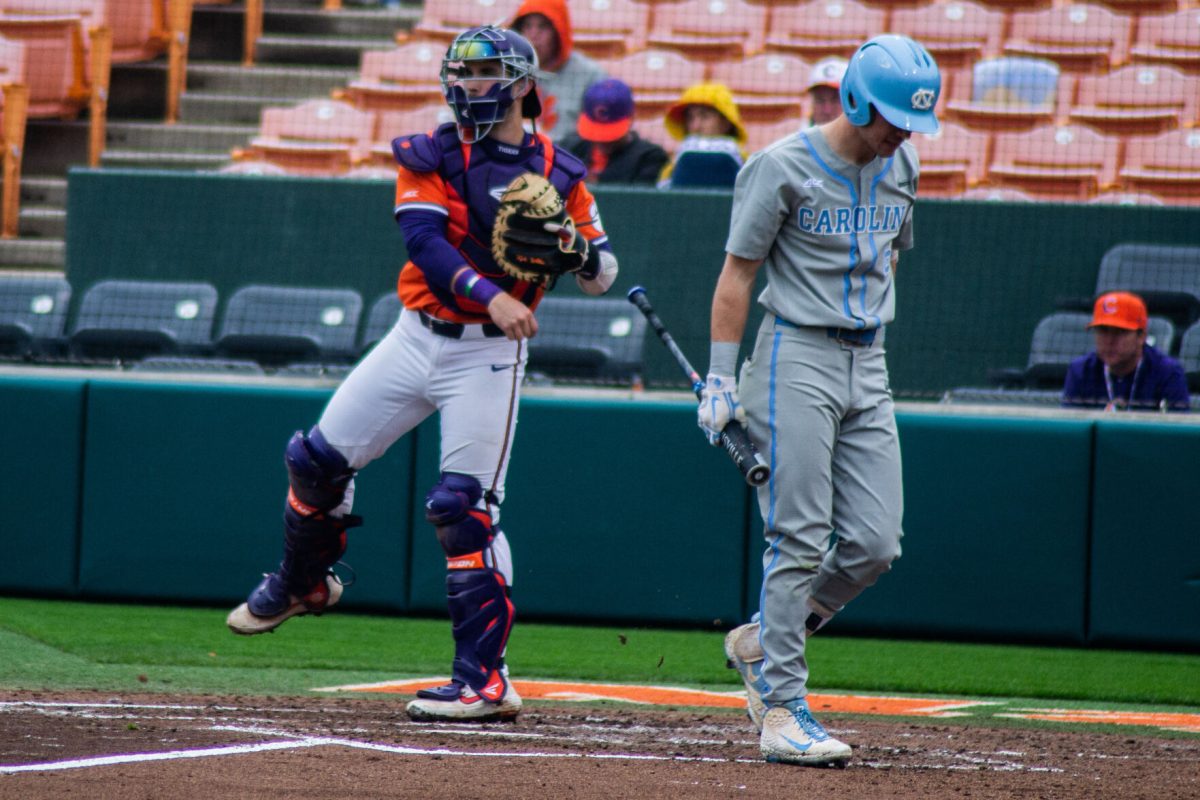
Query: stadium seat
x=590 y=339
x=1063 y=336
x=1167 y=165
x=654 y=129
x=278 y=325
x=14 y=111
x=402 y=77
x=609 y=28
x=1166 y=276
x=995 y=194
x=1055 y=162
x=316 y=137
x=1078 y=37
x=129 y=320
x=139 y=29
x=57 y=61
x=766 y=87
x=709 y=29
x=821 y=28
x=374 y=172
x=956 y=33
x=1005 y=94
x=1169 y=39
x=256 y=167
x=952 y=160
x=33 y=314
x=1189 y=356
x=1117 y=198
x=762 y=134
x=1138 y=99
x=382 y=315
x=657 y=77
x=442 y=20
x=390 y=124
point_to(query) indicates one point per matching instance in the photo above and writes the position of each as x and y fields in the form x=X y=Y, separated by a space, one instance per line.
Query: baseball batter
x=459 y=348
x=826 y=211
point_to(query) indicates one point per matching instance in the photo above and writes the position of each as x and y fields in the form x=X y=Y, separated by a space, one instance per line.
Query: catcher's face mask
x=476 y=113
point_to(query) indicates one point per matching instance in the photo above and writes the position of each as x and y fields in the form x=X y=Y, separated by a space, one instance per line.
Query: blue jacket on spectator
x=1157 y=384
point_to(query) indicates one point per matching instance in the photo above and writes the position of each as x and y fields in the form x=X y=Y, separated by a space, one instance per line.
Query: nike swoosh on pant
x=500 y=367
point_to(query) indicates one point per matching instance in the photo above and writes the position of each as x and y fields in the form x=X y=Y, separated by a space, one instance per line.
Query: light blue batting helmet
x=896 y=76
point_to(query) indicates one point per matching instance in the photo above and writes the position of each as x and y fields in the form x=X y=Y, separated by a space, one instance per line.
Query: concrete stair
x=304 y=52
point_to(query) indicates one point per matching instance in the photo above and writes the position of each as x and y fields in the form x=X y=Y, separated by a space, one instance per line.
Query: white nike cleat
x=791 y=735
x=274 y=605
x=744 y=653
x=467 y=706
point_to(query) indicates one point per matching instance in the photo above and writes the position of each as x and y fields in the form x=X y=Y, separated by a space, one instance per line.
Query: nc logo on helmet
x=922 y=99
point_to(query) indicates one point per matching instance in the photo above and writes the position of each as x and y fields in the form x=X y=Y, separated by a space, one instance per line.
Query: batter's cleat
x=457 y=702
x=791 y=735
x=270 y=604
x=744 y=653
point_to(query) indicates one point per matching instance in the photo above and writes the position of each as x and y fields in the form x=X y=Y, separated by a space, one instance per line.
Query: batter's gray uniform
x=815 y=388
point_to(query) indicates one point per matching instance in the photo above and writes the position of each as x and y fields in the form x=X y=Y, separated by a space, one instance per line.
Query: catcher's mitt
x=533 y=237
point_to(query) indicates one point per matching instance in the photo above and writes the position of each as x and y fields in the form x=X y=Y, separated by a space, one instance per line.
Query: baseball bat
x=734 y=437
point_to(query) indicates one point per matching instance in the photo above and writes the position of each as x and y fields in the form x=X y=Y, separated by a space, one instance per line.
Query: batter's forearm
x=731 y=300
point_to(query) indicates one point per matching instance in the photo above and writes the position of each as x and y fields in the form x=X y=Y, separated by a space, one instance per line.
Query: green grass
x=71 y=645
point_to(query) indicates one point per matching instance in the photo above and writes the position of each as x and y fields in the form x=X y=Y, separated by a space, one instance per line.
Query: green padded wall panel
x=995 y=525
x=42 y=430
x=614 y=511
x=185 y=486
x=1145 y=582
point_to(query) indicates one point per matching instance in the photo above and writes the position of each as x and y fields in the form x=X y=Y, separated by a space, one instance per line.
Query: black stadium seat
x=584 y=338
x=33 y=314
x=1166 y=276
x=380 y=318
x=129 y=320
x=278 y=325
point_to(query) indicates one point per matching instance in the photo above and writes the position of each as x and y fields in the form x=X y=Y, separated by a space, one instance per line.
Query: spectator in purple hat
x=606 y=141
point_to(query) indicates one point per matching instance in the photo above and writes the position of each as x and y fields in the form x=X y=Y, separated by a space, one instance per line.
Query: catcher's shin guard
x=477 y=596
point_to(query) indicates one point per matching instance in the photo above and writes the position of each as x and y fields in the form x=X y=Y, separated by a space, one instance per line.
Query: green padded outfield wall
x=969 y=295
x=185 y=486
x=615 y=510
x=41 y=426
x=995 y=524
x=1145 y=581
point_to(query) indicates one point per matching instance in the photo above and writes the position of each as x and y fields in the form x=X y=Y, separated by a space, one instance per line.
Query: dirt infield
x=153 y=746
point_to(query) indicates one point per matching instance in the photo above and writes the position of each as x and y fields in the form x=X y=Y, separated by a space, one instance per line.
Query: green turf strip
x=71 y=645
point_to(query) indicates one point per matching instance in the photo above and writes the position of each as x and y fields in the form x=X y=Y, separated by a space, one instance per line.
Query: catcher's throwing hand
x=533 y=237
x=512 y=316
x=719 y=403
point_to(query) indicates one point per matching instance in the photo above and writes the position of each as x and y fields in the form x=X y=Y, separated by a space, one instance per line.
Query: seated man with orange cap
x=607 y=142
x=1124 y=372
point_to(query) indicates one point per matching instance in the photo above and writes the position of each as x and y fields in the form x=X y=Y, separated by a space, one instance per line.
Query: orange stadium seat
x=823 y=28
x=1140 y=98
x=609 y=28
x=766 y=87
x=1079 y=38
x=138 y=28
x=952 y=160
x=316 y=137
x=1068 y=162
x=1006 y=93
x=1169 y=39
x=654 y=129
x=390 y=124
x=762 y=134
x=956 y=33
x=709 y=29
x=996 y=194
x=402 y=77
x=14 y=110
x=444 y=19
x=657 y=77
x=1167 y=165
x=56 y=63
x=1118 y=198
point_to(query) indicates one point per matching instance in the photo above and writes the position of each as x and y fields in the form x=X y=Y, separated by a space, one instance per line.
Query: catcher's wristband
x=473 y=286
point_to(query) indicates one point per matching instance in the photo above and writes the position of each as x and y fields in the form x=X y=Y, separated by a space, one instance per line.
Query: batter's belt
x=455 y=330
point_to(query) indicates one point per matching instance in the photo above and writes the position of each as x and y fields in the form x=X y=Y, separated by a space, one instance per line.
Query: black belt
x=858 y=337
x=454 y=330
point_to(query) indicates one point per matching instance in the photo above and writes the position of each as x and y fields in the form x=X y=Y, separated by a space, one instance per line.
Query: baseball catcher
x=534 y=239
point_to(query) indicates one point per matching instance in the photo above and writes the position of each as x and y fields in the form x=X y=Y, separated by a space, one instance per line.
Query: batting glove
x=719 y=404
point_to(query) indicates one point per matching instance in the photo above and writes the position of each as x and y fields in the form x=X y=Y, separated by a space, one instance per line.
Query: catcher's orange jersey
x=464 y=189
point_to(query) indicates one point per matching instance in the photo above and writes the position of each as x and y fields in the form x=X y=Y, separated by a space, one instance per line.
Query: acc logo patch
x=922 y=99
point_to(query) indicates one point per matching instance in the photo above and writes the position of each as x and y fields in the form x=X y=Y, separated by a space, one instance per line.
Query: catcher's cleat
x=270 y=604
x=744 y=653
x=791 y=735
x=457 y=702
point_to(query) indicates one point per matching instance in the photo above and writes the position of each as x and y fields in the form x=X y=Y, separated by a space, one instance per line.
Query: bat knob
x=758 y=475
x=635 y=290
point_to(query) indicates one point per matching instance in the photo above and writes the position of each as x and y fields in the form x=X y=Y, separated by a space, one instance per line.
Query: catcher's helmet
x=898 y=78
x=475 y=116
